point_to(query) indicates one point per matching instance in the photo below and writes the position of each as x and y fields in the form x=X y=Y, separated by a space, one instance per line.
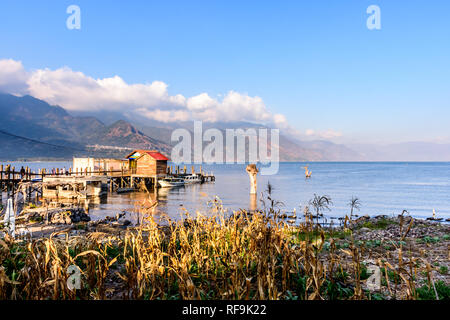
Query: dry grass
x=245 y=256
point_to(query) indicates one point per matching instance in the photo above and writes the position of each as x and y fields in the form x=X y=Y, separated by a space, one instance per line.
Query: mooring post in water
x=252 y=172
x=253 y=202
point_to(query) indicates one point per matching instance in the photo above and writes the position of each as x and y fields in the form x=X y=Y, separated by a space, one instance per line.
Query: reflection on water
x=253 y=202
x=171 y=203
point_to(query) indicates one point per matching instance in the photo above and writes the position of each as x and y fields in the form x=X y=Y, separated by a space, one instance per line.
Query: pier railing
x=8 y=173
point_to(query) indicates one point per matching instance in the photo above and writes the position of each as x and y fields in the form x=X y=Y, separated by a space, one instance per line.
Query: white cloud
x=280 y=120
x=78 y=92
x=13 y=77
x=164 y=115
x=328 y=134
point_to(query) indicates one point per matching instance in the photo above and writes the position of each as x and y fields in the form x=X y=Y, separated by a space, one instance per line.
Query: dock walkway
x=28 y=181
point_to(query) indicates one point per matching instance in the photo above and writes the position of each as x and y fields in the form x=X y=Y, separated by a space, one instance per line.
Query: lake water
x=382 y=187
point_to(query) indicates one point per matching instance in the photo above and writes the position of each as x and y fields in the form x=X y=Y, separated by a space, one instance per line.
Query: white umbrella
x=10 y=218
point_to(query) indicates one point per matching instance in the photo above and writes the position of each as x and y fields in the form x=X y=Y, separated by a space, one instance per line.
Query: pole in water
x=10 y=218
x=253 y=202
x=252 y=172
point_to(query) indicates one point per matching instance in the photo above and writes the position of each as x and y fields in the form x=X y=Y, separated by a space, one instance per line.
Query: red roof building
x=147 y=163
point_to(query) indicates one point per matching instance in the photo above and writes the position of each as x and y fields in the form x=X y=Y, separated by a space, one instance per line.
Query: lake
x=382 y=187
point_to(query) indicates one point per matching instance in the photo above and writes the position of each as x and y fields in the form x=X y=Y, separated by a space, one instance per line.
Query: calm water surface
x=382 y=187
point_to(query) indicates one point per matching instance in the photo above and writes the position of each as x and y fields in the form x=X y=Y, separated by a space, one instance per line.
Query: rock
x=434 y=219
x=362 y=219
x=364 y=230
x=67 y=216
x=122 y=224
x=120 y=215
x=126 y=223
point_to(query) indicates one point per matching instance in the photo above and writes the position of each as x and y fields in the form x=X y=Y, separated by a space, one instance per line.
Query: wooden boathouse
x=147 y=163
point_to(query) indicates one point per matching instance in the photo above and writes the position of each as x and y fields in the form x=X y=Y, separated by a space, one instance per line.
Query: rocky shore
x=384 y=228
x=37 y=222
x=398 y=241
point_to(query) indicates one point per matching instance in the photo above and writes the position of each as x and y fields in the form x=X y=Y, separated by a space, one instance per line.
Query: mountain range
x=33 y=129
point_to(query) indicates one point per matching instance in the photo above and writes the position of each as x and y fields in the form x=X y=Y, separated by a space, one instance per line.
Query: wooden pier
x=31 y=183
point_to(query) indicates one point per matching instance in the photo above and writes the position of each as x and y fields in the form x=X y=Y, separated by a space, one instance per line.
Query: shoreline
x=63 y=216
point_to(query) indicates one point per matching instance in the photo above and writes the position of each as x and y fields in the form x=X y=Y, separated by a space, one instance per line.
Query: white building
x=98 y=165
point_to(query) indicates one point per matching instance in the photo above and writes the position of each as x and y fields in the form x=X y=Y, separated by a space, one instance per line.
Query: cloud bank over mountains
x=76 y=91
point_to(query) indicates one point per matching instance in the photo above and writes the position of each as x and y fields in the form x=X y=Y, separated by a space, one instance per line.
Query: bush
x=427 y=292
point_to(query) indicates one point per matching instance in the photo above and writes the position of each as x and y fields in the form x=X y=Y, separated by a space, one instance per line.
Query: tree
x=320 y=203
x=354 y=204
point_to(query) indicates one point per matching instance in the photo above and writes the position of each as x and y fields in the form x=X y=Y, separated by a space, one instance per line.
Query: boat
x=192 y=178
x=171 y=182
x=433 y=218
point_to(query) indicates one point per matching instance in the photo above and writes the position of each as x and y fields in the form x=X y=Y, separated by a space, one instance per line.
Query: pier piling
x=252 y=172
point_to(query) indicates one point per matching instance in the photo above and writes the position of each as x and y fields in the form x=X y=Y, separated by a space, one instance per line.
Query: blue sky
x=315 y=62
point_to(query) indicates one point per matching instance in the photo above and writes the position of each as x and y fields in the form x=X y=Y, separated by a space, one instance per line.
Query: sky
x=312 y=68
